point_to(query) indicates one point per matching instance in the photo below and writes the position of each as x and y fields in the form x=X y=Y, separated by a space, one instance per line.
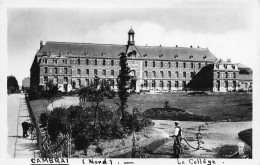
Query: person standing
x=177 y=140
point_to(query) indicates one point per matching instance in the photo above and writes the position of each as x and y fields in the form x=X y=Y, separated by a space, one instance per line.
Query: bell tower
x=131 y=34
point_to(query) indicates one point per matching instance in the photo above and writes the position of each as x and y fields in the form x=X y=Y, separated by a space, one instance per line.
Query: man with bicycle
x=177 y=140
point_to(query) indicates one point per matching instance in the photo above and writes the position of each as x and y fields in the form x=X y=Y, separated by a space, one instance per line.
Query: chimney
x=176 y=46
x=191 y=46
x=41 y=44
x=198 y=46
x=229 y=60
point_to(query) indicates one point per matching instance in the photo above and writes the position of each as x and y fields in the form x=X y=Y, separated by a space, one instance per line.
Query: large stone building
x=155 y=68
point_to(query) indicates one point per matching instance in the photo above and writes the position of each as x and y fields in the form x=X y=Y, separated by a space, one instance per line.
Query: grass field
x=229 y=106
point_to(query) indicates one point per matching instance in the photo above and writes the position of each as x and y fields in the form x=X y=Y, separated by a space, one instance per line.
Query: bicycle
x=32 y=131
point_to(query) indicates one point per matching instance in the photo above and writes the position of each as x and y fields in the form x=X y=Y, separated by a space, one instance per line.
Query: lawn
x=229 y=106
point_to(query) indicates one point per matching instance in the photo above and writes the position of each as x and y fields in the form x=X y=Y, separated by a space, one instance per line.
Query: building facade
x=155 y=68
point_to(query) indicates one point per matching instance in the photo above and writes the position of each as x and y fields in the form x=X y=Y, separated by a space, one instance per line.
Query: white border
x=4 y=5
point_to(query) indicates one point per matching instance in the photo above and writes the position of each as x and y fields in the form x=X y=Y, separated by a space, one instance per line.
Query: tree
x=124 y=85
x=95 y=93
x=52 y=91
x=12 y=84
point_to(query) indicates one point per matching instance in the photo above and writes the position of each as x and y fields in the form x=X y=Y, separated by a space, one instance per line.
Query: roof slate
x=112 y=51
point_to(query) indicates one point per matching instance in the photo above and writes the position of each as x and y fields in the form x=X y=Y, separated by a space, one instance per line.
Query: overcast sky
x=228 y=29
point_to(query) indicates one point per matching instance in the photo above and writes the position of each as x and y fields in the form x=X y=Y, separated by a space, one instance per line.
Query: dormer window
x=225 y=66
x=161 y=55
x=145 y=55
x=175 y=56
x=191 y=56
x=103 y=54
x=204 y=57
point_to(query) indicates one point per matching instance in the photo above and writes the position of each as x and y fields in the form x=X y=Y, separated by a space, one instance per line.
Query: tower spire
x=131 y=34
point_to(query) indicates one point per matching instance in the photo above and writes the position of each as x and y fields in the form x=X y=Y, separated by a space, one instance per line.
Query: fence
x=34 y=121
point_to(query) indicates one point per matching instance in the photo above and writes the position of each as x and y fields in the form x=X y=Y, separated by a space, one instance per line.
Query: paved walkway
x=66 y=101
x=19 y=147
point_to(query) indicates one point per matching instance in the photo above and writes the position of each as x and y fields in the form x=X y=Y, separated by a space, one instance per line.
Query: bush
x=173 y=114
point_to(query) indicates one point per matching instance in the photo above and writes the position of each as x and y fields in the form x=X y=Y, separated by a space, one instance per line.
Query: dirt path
x=213 y=135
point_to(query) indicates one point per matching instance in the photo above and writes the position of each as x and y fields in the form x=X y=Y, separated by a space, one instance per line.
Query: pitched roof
x=94 y=50
x=242 y=66
x=112 y=51
x=176 y=53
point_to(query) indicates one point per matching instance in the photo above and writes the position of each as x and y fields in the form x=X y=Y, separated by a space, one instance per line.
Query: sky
x=229 y=29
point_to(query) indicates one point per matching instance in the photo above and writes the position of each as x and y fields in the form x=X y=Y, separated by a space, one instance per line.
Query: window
x=161 y=84
x=87 y=82
x=153 y=63
x=64 y=61
x=145 y=63
x=79 y=61
x=95 y=61
x=153 y=84
x=145 y=74
x=65 y=70
x=154 y=74
x=177 y=65
x=45 y=61
x=145 y=83
x=169 y=74
x=161 y=74
x=104 y=72
x=218 y=75
x=104 y=62
x=95 y=72
x=226 y=74
x=112 y=72
x=56 y=61
x=192 y=74
x=112 y=62
x=176 y=84
x=113 y=83
x=56 y=70
x=45 y=70
x=169 y=64
x=184 y=64
x=161 y=64
x=45 y=79
x=87 y=71
x=191 y=65
x=233 y=67
x=184 y=74
x=78 y=71
x=199 y=65
x=234 y=75
x=87 y=61
x=234 y=84
x=176 y=74
x=184 y=84
x=79 y=82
